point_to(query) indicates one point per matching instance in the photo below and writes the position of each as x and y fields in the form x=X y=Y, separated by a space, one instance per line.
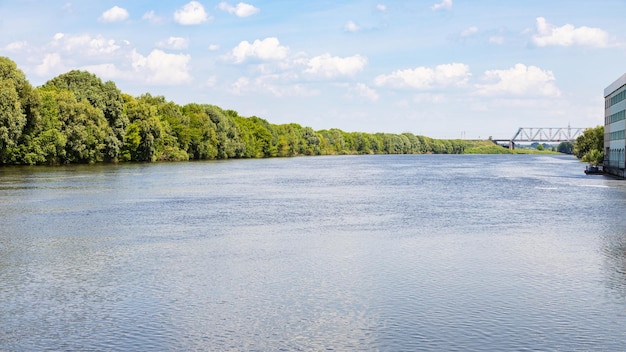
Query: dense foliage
x=77 y=118
x=565 y=148
x=589 y=146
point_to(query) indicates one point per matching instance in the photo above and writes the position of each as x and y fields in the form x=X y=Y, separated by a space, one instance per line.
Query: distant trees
x=589 y=147
x=565 y=148
x=77 y=118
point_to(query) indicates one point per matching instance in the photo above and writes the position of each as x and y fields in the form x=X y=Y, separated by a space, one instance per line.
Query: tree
x=594 y=157
x=202 y=137
x=103 y=96
x=18 y=107
x=565 y=148
x=143 y=132
x=590 y=145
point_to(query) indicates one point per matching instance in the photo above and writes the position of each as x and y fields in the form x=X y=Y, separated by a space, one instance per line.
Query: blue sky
x=440 y=68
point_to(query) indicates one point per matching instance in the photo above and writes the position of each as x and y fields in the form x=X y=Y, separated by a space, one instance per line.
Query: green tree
x=257 y=137
x=565 y=148
x=229 y=144
x=590 y=145
x=202 y=136
x=144 y=130
x=172 y=142
x=103 y=96
x=18 y=107
x=594 y=157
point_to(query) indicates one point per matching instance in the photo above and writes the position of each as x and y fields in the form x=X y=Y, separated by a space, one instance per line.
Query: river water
x=390 y=253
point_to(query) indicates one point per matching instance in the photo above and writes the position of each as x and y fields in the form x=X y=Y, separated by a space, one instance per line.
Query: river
x=384 y=252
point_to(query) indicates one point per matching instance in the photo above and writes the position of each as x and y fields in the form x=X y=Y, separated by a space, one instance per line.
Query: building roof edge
x=615 y=85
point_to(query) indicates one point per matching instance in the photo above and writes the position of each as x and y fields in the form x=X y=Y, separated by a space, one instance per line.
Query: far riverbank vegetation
x=77 y=118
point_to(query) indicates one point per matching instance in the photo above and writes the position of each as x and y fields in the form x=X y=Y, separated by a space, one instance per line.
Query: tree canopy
x=589 y=146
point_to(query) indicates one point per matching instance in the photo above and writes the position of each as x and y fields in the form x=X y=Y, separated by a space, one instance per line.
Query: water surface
x=410 y=252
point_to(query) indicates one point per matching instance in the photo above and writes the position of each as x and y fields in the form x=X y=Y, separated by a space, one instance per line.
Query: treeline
x=77 y=118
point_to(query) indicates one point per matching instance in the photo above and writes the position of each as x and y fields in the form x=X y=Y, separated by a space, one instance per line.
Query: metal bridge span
x=542 y=134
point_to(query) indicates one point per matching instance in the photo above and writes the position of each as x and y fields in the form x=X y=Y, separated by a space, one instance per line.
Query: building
x=615 y=127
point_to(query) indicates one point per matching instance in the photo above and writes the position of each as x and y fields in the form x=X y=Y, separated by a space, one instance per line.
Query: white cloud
x=240 y=10
x=85 y=44
x=446 y=75
x=362 y=90
x=114 y=14
x=241 y=85
x=519 y=80
x=16 y=46
x=269 y=84
x=266 y=49
x=469 y=31
x=568 y=35
x=328 y=66
x=381 y=7
x=176 y=43
x=350 y=26
x=496 y=39
x=214 y=47
x=151 y=17
x=51 y=63
x=107 y=71
x=162 y=68
x=443 y=5
x=191 y=13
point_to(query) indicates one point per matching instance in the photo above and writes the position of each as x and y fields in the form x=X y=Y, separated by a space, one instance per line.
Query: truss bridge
x=542 y=135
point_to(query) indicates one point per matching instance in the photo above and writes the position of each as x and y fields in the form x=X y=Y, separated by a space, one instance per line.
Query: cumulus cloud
x=446 y=75
x=568 y=35
x=190 y=14
x=266 y=49
x=519 y=80
x=85 y=44
x=152 y=17
x=176 y=43
x=381 y=7
x=16 y=46
x=327 y=66
x=350 y=26
x=269 y=84
x=443 y=5
x=114 y=14
x=240 y=10
x=363 y=91
x=214 y=47
x=469 y=31
x=106 y=71
x=51 y=63
x=162 y=68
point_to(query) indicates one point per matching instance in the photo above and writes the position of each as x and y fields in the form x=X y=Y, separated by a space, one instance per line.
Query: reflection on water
x=431 y=252
x=614 y=250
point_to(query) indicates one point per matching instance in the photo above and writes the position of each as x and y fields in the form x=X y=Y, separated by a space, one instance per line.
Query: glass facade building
x=615 y=127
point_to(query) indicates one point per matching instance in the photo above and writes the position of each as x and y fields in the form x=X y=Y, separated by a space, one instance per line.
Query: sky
x=439 y=68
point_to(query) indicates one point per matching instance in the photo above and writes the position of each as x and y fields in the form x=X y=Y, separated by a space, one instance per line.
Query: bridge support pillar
x=511 y=145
